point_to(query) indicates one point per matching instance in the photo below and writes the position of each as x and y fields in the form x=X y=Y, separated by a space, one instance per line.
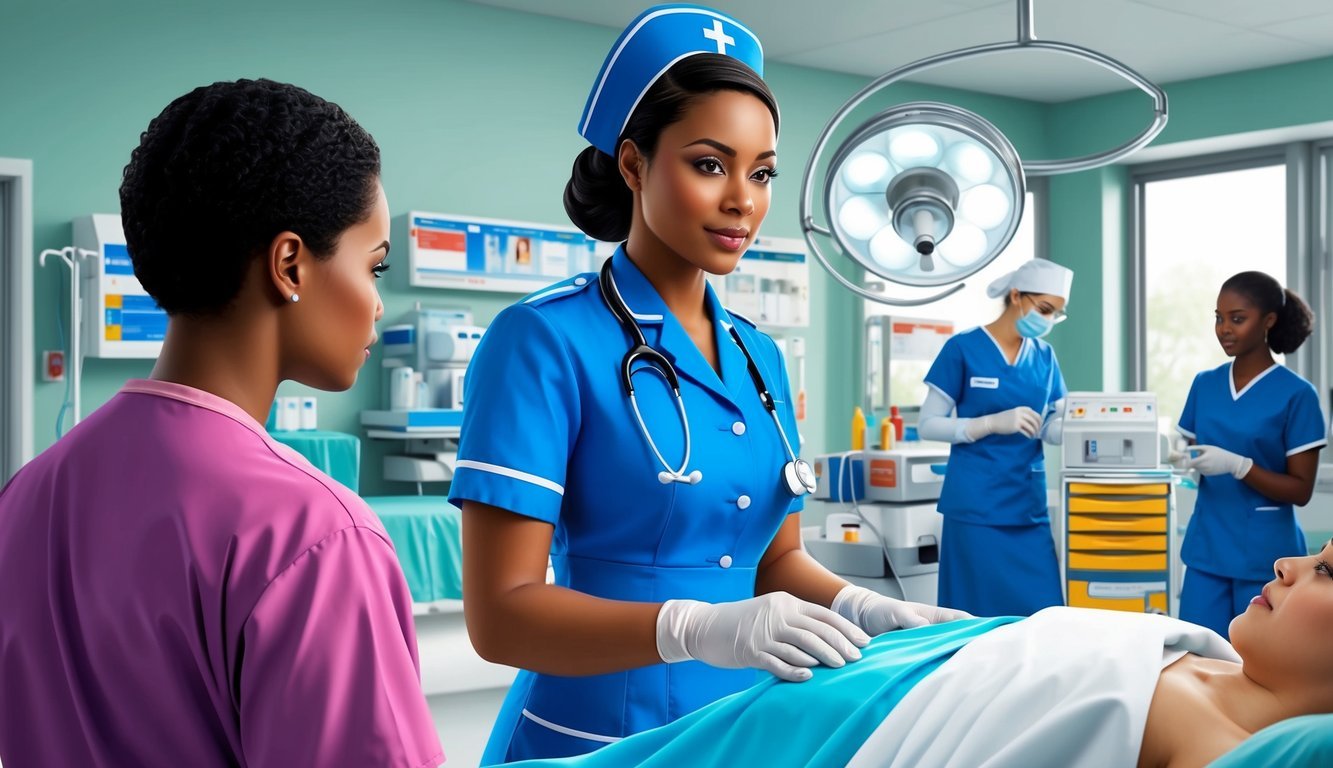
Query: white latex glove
x=877 y=614
x=1021 y=419
x=1211 y=460
x=775 y=632
x=1178 y=459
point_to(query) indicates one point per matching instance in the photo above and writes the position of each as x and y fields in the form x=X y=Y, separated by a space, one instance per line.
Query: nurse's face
x=1284 y=633
x=340 y=303
x=1240 y=326
x=707 y=188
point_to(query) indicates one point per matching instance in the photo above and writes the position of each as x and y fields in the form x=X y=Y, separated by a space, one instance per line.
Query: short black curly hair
x=227 y=167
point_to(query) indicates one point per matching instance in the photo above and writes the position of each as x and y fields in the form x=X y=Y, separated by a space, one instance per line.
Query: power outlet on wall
x=53 y=365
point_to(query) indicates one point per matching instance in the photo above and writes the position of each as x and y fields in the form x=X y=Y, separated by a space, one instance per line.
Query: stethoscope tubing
x=658 y=363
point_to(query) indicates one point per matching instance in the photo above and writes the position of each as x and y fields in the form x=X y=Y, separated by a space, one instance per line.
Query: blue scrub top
x=548 y=433
x=1236 y=531
x=999 y=479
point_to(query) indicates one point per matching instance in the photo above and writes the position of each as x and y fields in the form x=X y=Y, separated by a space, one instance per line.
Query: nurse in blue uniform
x=1257 y=429
x=996 y=393
x=628 y=426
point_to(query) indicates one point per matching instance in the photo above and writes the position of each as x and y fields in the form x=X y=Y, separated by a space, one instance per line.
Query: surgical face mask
x=1034 y=325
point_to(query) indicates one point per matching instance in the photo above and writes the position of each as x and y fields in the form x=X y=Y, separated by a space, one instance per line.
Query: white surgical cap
x=1036 y=276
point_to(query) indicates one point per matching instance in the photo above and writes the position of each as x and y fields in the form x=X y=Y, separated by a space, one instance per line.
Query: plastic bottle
x=858 y=429
x=885 y=434
x=897 y=419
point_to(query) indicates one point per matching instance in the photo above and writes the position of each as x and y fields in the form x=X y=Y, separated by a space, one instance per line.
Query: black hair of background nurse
x=596 y=197
x=227 y=167
x=1295 y=321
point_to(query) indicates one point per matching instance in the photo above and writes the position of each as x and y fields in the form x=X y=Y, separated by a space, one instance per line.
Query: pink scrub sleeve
x=328 y=663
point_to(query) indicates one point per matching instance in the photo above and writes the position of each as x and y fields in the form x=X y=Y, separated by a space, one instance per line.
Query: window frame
x=1306 y=220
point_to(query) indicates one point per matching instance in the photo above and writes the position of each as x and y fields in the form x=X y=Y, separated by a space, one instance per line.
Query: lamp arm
x=1034 y=168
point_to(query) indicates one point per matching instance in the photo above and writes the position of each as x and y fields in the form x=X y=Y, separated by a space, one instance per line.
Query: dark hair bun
x=596 y=197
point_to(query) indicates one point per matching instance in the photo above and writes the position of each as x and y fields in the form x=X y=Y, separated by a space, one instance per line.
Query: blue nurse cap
x=649 y=46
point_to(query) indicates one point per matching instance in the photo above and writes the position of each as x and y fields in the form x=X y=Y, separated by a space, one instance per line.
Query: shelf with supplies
x=428 y=443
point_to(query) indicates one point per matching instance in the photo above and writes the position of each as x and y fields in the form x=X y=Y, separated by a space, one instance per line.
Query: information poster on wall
x=771 y=284
x=911 y=339
x=449 y=251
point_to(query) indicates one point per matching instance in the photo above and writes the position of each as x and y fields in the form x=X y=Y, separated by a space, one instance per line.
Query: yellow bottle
x=858 y=429
x=886 y=431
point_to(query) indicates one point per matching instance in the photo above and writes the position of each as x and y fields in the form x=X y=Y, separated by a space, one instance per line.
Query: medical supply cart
x=1118 y=505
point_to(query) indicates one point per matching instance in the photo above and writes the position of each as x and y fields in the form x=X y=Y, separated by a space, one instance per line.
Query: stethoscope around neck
x=797 y=476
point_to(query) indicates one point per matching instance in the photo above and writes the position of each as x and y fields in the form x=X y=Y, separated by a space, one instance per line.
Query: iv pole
x=72 y=257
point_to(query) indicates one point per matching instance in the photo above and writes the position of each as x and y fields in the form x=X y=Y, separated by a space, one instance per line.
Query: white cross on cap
x=721 y=38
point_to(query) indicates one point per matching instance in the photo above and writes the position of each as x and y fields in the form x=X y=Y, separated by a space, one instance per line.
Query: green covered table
x=426 y=532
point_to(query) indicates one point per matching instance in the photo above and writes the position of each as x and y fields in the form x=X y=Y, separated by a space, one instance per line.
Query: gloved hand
x=1021 y=419
x=1211 y=460
x=776 y=632
x=1178 y=459
x=877 y=614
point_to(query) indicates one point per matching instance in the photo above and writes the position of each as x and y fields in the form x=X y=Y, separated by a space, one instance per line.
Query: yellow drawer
x=1118 y=523
x=1079 y=598
x=1096 y=561
x=1146 y=489
x=1117 y=541
x=1118 y=506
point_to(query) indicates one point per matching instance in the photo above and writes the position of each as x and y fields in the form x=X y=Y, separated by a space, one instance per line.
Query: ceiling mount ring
x=1026 y=41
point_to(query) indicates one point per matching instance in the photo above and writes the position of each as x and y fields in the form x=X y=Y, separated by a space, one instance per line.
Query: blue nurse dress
x=997 y=555
x=1235 y=532
x=548 y=433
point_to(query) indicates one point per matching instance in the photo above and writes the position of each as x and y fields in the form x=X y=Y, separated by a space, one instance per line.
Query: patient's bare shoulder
x=1185 y=728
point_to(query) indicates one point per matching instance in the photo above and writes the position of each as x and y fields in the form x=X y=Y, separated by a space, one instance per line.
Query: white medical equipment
x=1111 y=431
x=883 y=528
x=120 y=319
x=1117 y=538
x=425 y=363
x=797 y=476
x=435 y=347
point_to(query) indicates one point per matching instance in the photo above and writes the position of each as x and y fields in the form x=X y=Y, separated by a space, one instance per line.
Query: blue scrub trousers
x=1213 y=601
x=998 y=570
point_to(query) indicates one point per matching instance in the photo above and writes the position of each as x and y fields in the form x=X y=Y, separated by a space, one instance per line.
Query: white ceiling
x=1164 y=40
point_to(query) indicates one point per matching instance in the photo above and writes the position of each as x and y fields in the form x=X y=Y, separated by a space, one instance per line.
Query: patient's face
x=1285 y=636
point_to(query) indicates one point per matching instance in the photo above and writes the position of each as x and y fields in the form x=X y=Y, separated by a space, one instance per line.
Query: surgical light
x=924 y=193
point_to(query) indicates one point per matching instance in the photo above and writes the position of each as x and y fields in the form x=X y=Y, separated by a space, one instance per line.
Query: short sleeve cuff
x=1307 y=447
x=510 y=489
x=936 y=388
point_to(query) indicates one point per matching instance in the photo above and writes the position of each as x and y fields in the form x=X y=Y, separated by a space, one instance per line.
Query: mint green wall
x=1089 y=223
x=473 y=107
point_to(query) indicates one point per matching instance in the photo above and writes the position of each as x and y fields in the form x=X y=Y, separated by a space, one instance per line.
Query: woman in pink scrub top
x=179 y=589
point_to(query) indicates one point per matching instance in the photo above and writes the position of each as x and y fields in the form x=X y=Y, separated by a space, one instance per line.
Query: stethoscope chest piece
x=799 y=477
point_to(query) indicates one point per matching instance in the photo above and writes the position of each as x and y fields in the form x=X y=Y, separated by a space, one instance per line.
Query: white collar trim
x=1231 y=380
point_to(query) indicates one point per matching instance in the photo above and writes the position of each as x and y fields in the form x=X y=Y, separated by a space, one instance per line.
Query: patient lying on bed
x=1066 y=687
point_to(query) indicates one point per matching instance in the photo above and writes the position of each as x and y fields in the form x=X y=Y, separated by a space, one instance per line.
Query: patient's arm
x=1186 y=727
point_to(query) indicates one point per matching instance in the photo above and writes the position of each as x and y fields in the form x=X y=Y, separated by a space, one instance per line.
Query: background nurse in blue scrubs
x=996 y=393
x=663 y=515
x=1258 y=429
